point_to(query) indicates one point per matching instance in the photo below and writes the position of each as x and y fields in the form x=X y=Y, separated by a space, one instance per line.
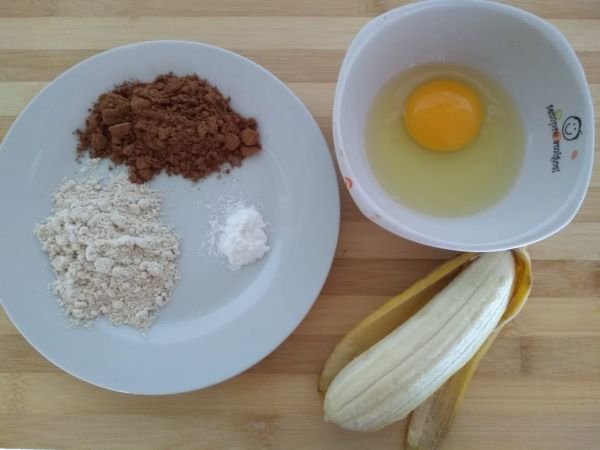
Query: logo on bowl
x=570 y=131
x=571 y=128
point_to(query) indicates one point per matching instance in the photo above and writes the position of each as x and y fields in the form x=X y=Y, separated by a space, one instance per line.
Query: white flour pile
x=240 y=237
x=109 y=250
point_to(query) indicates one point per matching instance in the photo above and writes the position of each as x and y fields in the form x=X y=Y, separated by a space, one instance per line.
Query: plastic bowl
x=538 y=68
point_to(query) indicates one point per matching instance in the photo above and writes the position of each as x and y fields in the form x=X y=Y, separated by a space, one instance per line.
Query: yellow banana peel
x=431 y=421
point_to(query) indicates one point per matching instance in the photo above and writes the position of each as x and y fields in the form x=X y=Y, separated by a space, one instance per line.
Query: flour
x=110 y=252
x=241 y=239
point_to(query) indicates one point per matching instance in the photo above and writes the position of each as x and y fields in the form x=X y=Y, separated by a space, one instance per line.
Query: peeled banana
x=400 y=371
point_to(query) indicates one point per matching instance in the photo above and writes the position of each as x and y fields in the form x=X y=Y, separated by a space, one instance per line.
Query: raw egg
x=444 y=140
x=443 y=115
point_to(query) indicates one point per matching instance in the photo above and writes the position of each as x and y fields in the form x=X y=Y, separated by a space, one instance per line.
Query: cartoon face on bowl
x=571 y=128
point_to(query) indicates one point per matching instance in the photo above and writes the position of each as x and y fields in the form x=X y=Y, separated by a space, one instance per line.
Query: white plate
x=218 y=323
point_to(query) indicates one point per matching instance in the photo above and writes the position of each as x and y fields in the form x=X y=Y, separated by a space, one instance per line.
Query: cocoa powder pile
x=182 y=125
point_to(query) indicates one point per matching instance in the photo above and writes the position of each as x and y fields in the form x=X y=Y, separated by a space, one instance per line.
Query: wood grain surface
x=538 y=388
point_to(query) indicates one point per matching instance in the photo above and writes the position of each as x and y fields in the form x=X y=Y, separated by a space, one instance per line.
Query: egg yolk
x=443 y=115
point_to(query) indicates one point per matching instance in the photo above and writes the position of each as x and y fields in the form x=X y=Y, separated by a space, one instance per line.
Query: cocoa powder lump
x=182 y=125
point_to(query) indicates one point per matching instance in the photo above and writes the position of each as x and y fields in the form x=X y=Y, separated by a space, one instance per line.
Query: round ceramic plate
x=218 y=322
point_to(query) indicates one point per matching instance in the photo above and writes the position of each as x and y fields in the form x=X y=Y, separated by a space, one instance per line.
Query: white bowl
x=538 y=68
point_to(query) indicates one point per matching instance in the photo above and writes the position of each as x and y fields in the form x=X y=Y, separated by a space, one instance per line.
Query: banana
x=399 y=372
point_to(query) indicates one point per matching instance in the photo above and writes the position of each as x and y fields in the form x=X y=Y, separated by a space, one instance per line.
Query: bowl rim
x=362 y=197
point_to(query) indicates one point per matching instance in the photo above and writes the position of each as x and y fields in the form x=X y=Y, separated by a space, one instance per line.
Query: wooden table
x=538 y=388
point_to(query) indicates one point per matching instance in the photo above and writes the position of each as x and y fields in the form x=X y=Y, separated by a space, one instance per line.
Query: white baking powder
x=242 y=238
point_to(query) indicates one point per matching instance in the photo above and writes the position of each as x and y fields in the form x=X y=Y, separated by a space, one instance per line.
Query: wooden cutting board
x=538 y=388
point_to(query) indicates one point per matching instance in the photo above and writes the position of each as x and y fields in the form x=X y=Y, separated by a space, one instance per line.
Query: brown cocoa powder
x=182 y=125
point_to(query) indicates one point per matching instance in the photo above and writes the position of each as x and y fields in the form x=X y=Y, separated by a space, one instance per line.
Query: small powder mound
x=182 y=125
x=243 y=239
x=110 y=252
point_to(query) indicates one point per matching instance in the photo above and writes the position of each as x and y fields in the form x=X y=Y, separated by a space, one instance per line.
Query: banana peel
x=431 y=421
